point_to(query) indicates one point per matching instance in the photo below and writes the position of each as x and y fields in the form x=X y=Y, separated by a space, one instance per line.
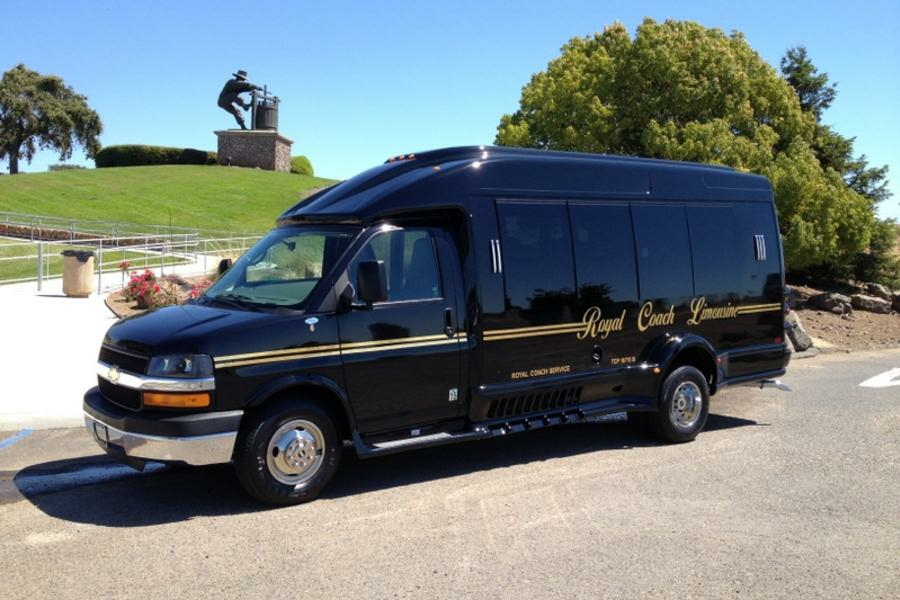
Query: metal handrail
x=158 y=253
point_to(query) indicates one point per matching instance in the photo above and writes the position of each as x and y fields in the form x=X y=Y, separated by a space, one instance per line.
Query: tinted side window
x=537 y=255
x=604 y=253
x=664 y=251
x=409 y=262
x=714 y=241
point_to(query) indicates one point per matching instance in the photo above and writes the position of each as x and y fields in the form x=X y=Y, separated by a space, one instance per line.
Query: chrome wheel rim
x=296 y=452
x=687 y=405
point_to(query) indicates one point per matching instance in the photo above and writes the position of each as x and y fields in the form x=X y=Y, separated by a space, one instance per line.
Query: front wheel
x=683 y=406
x=287 y=453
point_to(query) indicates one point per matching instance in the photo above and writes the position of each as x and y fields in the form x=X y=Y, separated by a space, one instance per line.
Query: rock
x=897 y=300
x=879 y=291
x=829 y=302
x=870 y=303
x=795 y=332
x=792 y=297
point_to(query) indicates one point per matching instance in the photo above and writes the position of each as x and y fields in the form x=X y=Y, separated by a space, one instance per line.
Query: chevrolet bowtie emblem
x=113 y=374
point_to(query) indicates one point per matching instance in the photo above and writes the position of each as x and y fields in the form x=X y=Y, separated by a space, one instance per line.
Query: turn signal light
x=164 y=400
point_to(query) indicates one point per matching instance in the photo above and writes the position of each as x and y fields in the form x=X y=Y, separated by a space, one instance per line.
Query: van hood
x=190 y=328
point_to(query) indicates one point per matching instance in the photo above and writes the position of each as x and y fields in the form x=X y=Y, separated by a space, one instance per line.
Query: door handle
x=448 y=322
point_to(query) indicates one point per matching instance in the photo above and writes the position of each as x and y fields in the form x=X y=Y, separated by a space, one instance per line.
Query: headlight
x=181 y=365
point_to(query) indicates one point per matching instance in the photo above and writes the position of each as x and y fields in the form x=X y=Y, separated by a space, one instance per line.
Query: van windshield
x=282 y=268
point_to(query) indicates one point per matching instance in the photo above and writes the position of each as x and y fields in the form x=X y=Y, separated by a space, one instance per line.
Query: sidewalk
x=48 y=351
x=49 y=345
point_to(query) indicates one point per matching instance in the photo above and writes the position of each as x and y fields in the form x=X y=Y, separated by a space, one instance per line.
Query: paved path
x=783 y=496
x=49 y=346
x=48 y=354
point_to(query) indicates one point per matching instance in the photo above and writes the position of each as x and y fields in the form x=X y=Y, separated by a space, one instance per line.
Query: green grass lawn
x=203 y=197
x=26 y=266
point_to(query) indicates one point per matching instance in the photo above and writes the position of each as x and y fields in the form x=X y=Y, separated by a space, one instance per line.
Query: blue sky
x=361 y=81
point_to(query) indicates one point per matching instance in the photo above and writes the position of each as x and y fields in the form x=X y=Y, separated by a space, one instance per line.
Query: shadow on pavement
x=122 y=498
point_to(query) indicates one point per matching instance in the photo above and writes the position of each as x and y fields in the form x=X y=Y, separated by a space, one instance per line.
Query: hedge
x=301 y=165
x=133 y=155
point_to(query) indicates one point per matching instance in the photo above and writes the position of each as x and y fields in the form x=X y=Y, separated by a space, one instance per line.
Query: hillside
x=203 y=197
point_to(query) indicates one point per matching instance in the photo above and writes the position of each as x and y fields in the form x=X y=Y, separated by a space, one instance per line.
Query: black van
x=455 y=295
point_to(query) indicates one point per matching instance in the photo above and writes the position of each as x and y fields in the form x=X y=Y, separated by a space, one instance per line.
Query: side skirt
x=489 y=429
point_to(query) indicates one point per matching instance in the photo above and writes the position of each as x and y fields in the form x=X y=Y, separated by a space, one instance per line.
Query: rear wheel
x=287 y=453
x=683 y=406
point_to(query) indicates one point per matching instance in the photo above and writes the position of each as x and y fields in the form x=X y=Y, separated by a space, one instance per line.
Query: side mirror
x=371 y=282
x=224 y=265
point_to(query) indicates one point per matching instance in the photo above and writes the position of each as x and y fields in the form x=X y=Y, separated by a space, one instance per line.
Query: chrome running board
x=774 y=383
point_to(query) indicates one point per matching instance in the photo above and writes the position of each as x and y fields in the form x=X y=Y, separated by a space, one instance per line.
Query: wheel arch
x=689 y=350
x=325 y=391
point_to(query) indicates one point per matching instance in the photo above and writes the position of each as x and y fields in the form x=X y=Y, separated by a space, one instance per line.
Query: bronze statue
x=230 y=99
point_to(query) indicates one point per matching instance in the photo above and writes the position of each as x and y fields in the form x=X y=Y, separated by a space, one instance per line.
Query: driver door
x=402 y=356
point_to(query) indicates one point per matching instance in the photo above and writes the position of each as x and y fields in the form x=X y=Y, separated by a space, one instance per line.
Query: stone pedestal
x=254 y=148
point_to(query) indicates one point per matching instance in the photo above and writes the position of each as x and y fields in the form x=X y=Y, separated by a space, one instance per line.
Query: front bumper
x=196 y=439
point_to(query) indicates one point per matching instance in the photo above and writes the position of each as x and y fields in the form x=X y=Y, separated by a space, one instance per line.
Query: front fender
x=272 y=388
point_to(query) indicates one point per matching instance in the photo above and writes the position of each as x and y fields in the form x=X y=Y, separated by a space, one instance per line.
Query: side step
x=485 y=430
x=774 y=383
x=442 y=438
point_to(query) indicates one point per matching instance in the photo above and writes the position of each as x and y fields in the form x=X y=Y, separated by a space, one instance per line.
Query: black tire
x=257 y=475
x=682 y=390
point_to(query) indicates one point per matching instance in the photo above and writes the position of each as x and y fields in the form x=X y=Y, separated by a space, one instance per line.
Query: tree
x=835 y=154
x=812 y=87
x=41 y=111
x=833 y=150
x=682 y=91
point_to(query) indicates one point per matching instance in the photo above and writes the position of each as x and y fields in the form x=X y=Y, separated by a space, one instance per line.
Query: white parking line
x=886 y=379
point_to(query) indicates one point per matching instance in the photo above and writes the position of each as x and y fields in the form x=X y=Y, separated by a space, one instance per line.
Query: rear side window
x=409 y=263
x=537 y=255
x=604 y=253
x=718 y=263
x=663 y=251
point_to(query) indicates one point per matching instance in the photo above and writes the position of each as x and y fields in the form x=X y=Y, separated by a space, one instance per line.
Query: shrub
x=880 y=264
x=143 y=288
x=301 y=165
x=64 y=167
x=134 y=155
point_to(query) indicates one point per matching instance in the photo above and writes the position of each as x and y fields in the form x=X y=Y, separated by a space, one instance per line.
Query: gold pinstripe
x=258 y=358
x=495 y=335
x=530 y=329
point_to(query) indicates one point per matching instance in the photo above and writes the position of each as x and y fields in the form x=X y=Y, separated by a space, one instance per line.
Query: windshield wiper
x=241 y=301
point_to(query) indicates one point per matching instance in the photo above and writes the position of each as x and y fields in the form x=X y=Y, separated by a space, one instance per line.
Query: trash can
x=78 y=273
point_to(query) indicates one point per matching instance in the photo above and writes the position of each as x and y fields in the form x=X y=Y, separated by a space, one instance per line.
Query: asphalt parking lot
x=784 y=495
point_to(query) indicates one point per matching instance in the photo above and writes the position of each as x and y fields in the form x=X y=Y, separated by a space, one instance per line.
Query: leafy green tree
x=835 y=154
x=812 y=87
x=682 y=91
x=41 y=111
x=832 y=149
